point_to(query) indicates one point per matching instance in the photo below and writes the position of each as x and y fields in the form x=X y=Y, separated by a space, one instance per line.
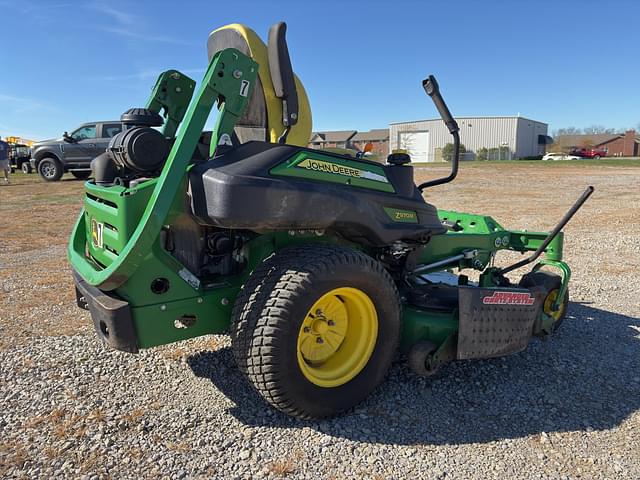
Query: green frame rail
x=229 y=80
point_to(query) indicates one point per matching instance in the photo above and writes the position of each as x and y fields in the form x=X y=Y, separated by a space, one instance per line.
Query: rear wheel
x=50 y=169
x=26 y=167
x=315 y=329
x=81 y=174
x=551 y=285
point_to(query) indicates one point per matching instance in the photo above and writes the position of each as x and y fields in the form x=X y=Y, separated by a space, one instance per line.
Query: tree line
x=591 y=130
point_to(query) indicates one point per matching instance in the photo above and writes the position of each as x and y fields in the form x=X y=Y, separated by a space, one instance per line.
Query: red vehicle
x=594 y=153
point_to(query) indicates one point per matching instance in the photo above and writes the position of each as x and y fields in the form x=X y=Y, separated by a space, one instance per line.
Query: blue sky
x=567 y=63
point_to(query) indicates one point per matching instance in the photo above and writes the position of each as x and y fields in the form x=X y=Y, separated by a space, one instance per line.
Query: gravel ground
x=568 y=407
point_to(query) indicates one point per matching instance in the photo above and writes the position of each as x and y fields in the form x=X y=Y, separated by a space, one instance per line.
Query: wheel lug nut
x=307 y=329
x=331 y=323
x=319 y=340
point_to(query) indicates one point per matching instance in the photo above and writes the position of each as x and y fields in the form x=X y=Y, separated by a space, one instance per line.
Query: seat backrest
x=263 y=118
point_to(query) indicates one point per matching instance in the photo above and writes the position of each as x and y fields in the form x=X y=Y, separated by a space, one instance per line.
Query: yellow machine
x=19 y=140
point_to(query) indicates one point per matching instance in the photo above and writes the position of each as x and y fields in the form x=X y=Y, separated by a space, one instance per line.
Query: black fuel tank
x=262 y=186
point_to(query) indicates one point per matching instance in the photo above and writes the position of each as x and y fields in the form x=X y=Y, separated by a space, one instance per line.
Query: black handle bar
x=433 y=90
x=567 y=216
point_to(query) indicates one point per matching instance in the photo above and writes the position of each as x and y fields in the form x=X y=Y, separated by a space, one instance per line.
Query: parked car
x=594 y=153
x=73 y=152
x=19 y=156
x=560 y=156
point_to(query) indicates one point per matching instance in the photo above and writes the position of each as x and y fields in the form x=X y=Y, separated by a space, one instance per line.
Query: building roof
x=470 y=118
x=581 y=140
x=375 y=135
x=334 y=136
x=595 y=140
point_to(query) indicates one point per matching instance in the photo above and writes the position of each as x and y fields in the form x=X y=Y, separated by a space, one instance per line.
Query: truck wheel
x=596 y=157
x=26 y=167
x=50 y=169
x=315 y=329
x=551 y=286
x=82 y=174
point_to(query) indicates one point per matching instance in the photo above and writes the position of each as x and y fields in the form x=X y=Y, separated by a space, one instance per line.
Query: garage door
x=417 y=144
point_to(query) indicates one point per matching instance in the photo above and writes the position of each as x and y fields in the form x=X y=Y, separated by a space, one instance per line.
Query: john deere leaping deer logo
x=96 y=233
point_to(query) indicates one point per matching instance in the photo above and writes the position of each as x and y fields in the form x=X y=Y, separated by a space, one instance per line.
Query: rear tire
x=50 y=169
x=82 y=174
x=275 y=316
x=26 y=167
x=551 y=285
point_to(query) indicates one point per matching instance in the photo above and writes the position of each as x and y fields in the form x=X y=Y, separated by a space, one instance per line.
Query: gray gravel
x=563 y=408
x=568 y=407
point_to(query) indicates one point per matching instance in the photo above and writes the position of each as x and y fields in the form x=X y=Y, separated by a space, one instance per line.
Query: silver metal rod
x=437 y=264
x=466 y=255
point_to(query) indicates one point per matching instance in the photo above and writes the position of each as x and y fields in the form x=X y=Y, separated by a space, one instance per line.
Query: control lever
x=433 y=90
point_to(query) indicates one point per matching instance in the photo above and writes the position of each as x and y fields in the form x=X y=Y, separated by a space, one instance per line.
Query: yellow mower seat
x=263 y=118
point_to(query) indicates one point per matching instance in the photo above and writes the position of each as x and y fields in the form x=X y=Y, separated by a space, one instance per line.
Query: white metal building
x=506 y=137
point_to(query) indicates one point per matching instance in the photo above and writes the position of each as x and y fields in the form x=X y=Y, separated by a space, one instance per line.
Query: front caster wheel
x=420 y=356
x=551 y=286
x=315 y=329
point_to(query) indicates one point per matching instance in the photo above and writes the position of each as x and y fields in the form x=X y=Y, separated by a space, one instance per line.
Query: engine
x=207 y=252
x=138 y=151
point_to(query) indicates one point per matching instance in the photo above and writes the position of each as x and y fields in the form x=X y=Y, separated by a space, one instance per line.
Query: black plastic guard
x=111 y=316
x=495 y=321
x=236 y=190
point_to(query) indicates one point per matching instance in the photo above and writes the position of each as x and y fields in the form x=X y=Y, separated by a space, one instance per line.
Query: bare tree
x=596 y=129
x=407 y=141
x=567 y=131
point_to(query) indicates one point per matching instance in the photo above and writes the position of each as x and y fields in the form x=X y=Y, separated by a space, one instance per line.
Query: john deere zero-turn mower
x=319 y=265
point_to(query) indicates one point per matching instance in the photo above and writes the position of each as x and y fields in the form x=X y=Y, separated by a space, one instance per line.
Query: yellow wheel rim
x=548 y=305
x=337 y=337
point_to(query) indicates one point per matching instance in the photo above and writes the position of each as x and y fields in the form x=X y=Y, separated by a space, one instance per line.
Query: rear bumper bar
x=111 y=316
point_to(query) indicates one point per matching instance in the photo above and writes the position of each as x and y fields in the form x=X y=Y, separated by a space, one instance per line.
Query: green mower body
x=192 y=244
